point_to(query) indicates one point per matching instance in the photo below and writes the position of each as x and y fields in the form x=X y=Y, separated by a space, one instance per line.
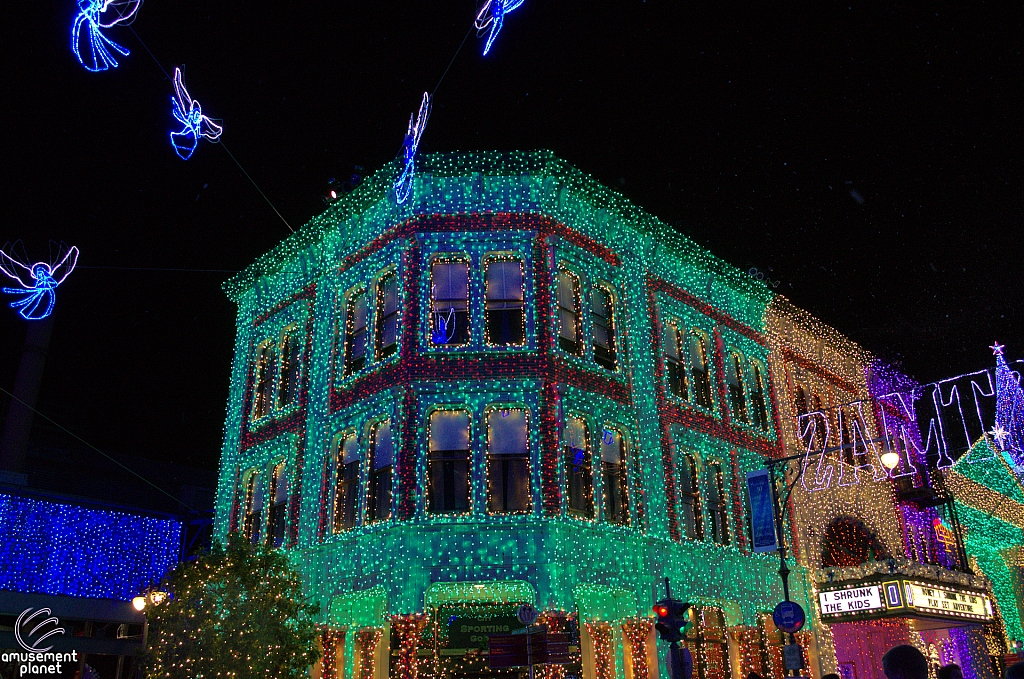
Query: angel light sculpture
x=94 y=50
x=188 y=112
x=492 y=16
x=403 y=185
x=38 y=283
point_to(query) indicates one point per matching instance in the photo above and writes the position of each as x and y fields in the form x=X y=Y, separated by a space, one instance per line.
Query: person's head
x=905 y=662
x=831 y=675
x=1015 y=671
x=951 y=671
x=754 y=675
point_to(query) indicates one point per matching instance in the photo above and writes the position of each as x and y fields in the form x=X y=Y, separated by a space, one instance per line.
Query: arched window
x=449 y=285
x=290 y=370
x=503 y=288
x=820 y=430
x=386 y=325
x=252 y=526
x=381 y=459
x=700 y=371
x=602 y=318
x=717 y=499
x=758 y=398
x=675 y=365
x=263 y=382
x=614 y=477
x=568 y=298
x=346 y=484
x=508 y=462
x=355 y=332
x=734 y=382
x=579 y=479
x=448 y=462
x=278 y=504
x=689 y=497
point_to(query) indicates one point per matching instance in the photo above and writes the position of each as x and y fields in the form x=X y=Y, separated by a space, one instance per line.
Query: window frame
x=431 y=330
x=703 y=386
x=429 y=509
x=489 y=457
x=737 y=392
x=759 y=394
x=492 y=258
x=380 y=317
x=289 y=334
x=610 y=361
x=263 y=373
x=277 y=514
x=341 y=481
x=718 y=512
x=694 y=494
x=622 y=474
x=252 y=522
x=371 y=499
x=587 y=474
x=678 y=337
x=577 y=348
x=348 y=364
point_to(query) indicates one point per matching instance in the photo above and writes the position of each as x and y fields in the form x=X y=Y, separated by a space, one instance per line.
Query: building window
x=448 y=463
x=449 y=285
x=689 y=497
x=675 y=367
x=263 y=383
x=717 y=505
x=579 y=479
x=355 y=332
x=381 y=458
x=758 y=399
x=568 y=298
x=508 y=462
x=278 y=503
x=503 y=288
x=700 y=371
x=603 y=327
x=614 y=478
x=346 y=484
x=734 y=384
x=251 y=526
x=386 y=326
x=290 y=370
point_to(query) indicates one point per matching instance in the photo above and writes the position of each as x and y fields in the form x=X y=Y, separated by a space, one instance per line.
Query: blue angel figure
x=188 y=112
x=38 y=283
x=403 y=185
x=93 y=49
x=492 y=15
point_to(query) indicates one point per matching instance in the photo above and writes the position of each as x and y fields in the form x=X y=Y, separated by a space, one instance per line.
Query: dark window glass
x=503 y=283
x=675 y=367
x=263 y=382
x=387 y=316
x=278 y=505
x=355 y=332
x=699 y=370
x=758 y=398
x=603 y=327
x=448 y=463
x=450 y=316
x=717 y=505
x=508 y=462
x=614 y=477
x=346 y=485
x=689 y=497
x=382 y=454
x=253 y=507
x=568 y=298
x=734 y=384
x=291 y=369
x=579 y=479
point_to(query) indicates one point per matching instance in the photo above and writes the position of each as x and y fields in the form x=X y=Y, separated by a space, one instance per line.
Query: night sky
x=866 y=156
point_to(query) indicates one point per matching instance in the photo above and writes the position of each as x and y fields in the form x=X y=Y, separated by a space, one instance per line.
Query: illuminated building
x=513 y=387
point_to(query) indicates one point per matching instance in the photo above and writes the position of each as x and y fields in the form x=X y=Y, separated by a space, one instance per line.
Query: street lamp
x=891 y=459
x=151 y=597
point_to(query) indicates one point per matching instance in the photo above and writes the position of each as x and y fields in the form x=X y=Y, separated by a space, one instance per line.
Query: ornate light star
x=998 y=433
x=997 y=349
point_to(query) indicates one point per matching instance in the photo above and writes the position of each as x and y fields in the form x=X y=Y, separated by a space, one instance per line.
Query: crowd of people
x=906 y=662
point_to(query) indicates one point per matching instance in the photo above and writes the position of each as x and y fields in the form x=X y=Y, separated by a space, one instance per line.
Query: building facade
x=515 y=388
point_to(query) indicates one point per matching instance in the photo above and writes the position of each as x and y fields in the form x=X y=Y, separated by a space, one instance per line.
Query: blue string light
x=188 y=112
x=38 y=283
x=492 y=15
x=52 y=548
x=92 y=48
x=403 y=185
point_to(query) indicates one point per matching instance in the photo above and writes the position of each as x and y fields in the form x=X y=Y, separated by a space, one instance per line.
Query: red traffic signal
x=660 y=610
x=672 y=619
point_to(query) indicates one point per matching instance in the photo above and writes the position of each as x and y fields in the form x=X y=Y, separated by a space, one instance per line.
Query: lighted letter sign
x=854 y=600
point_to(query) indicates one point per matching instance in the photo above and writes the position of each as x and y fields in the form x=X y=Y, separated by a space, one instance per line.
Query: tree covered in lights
x=237 y=612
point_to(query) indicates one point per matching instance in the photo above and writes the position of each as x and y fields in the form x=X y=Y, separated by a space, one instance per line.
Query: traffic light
x=672 y=619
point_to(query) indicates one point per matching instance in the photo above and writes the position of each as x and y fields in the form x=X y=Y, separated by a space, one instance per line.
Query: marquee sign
x=903 y=597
